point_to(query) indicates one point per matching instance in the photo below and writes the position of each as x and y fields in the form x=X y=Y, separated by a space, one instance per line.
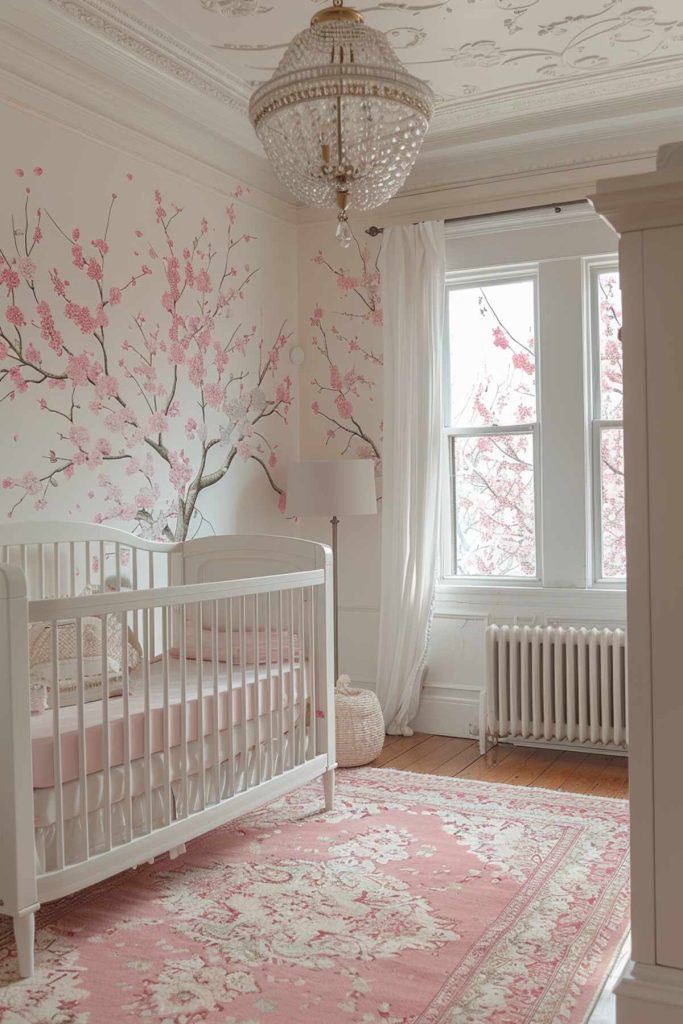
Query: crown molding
x=45 y=82
x=76 y=35
x=158 y=49
x=616 y=92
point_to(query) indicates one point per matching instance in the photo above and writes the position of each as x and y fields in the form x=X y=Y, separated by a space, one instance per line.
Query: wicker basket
x=359 y=725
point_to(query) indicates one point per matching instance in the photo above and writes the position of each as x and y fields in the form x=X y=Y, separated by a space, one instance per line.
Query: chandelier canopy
x=341 y=120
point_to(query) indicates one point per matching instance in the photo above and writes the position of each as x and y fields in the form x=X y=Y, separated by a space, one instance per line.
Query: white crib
x=230 y=704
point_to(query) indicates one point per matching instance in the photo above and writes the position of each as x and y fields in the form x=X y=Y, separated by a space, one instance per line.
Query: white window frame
x=468 y=279
x=593 y=268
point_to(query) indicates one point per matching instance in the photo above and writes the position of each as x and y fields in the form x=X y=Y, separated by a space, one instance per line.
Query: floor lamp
x=336 y=488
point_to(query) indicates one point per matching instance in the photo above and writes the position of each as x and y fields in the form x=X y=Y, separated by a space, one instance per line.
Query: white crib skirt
x=233 y=778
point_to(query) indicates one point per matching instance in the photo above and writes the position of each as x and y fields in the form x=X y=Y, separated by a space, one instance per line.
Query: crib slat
x=150 y=585
x=102 y=557
x=292 y=708
x=199 y=664
x=117 y=564
x=230 y=670
x=183 y=711
x=136 y=614
x=88 y=560
x=82 y=763
x=303 y=698
x=57 y=746
x=127 y=766
x=270 y=767
x=216 y=704
x=106 y=757
x=313 y=738
x=281 y=689
x=257 y=689
x=165 y=668
x=148 y=720
x=244 y=752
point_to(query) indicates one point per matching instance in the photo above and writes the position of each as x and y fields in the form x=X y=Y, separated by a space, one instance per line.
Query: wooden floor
x=573 y=771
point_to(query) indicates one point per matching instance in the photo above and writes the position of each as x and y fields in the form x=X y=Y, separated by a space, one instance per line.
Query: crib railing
x=77 y=562
x=230 y=692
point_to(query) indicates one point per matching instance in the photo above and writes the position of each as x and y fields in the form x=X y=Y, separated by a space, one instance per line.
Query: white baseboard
x=449 y=711
x=649 y=994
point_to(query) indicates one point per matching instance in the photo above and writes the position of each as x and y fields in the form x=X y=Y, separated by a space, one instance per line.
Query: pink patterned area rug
x=418 y=900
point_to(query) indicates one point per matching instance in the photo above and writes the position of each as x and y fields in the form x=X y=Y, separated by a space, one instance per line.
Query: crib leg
x=24 y=934
x=328 y=786
x=177 y=851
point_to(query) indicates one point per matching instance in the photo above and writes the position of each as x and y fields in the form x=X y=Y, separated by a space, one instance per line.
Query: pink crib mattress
x=242 y=699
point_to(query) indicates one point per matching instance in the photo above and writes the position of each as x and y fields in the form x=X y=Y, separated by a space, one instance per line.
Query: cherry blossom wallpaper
x=144 y=332
x=343 y=317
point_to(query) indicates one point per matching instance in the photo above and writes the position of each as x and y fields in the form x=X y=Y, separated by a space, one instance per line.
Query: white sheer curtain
x=413 y=278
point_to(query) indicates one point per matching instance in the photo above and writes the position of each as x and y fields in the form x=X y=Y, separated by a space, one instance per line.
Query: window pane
x=612 y=503
x=611 y=363
x=492 y=354
x=495 y=524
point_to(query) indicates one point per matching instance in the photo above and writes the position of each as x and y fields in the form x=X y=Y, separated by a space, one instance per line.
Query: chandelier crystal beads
x=341 y=120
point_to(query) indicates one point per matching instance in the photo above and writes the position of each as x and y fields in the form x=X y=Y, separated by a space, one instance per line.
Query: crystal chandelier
x=341 y=120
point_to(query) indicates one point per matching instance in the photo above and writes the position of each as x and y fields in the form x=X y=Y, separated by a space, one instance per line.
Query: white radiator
x=557 y=685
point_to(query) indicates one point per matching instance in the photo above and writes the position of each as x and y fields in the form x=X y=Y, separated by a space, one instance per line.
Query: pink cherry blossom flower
x=344 y=407
x=115 y=296
x=15 y=316
x=181 y=470
x=213 y=394
x=203 y=282
x=48 y=331
x=500 y=338
x=10 y=278
x=94 y=270
x=157 y=423
x=18 y=380
x=38 y=171
x=522 y=361
x=27 y=268
x=30 y=482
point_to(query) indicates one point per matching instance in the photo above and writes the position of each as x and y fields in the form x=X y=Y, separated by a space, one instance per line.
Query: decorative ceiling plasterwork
x=484 y=58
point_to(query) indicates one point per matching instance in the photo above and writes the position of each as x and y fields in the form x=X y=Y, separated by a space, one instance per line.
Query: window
x=533 y=421
x=607 y=423
x=493 y=426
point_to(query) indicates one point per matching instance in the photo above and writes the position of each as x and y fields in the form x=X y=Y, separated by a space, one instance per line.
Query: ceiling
x=463 y=48
x=501 y=69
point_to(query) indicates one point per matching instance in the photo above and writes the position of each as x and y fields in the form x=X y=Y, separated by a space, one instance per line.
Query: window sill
x=531 y=602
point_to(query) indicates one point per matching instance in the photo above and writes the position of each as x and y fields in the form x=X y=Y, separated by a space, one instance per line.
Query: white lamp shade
x=332 y=487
